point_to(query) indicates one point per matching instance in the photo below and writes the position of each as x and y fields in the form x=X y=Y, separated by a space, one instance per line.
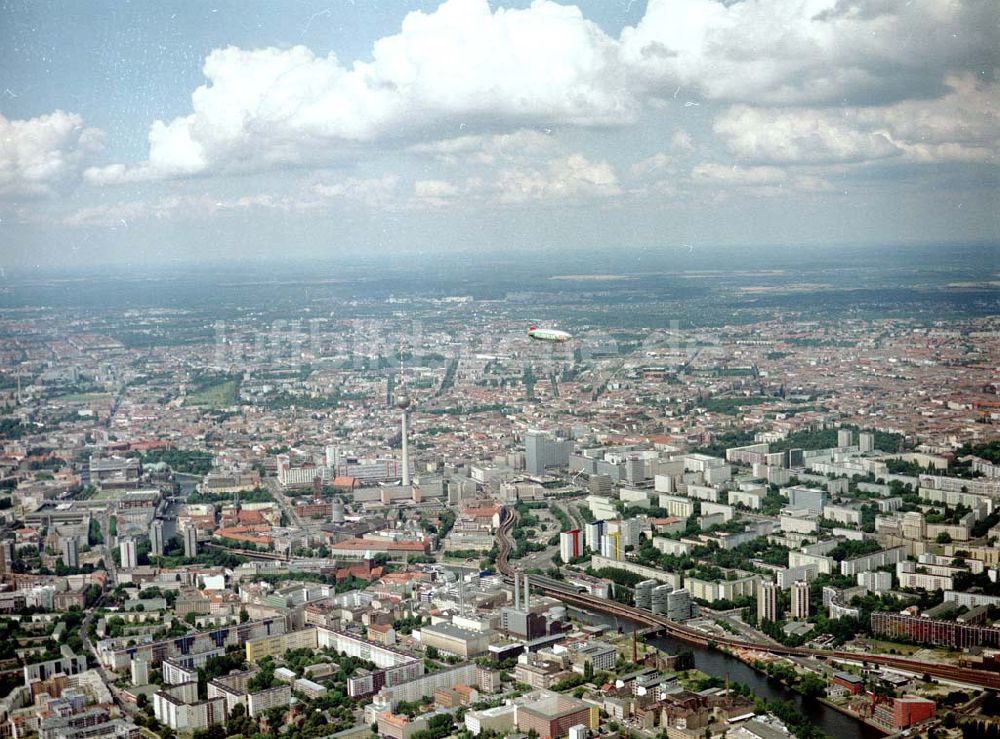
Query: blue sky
x=171 y=132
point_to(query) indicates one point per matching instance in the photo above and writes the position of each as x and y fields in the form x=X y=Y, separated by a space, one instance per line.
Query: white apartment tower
x=767 y=602
x=129 y=555
x=800 y=600
x=866 y=441
x=190 y=542
x=70 y=551
x=845 y=437
x=156 y=538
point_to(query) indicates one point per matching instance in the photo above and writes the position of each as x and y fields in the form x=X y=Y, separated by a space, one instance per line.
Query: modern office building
x=679 y=605
x=600 y=485
x=659 y=597
x=542 y=451
x=370 y=471
x=644 y=593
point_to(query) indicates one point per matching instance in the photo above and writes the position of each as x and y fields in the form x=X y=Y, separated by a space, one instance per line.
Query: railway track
x=571 y=595
x=249 y=553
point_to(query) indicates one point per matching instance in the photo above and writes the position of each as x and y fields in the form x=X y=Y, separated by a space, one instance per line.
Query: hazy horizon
x=607 y=287
x=551 y=260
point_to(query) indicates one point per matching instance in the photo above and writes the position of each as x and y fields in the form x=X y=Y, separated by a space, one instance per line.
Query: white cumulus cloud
x=799 y=135
x=434 y=192
x=573 y=177
x=486 y=149
x=781 y=52
x=834 y=81
x=40 y=155
x=543 y=65
x=651 y=164
x=124 y=214
x=371 y=191
x=961 y=126
x=760 y=180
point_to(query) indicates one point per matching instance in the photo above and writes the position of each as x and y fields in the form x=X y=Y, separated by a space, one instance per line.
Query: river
x=832 y=722
x=186 y=485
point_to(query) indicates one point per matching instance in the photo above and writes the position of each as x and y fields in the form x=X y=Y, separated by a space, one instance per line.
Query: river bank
x=830 y=719
x=830 y=704
x=752 y=663
x=833 y=720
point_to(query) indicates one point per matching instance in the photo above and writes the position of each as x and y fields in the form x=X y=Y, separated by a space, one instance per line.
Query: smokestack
x=517 y=593
x=526 y=589
x=461 y=595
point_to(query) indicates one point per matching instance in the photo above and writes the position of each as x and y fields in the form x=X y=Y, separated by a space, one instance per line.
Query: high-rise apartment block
x=767 y=602
x=800 y=600
x=129 y=555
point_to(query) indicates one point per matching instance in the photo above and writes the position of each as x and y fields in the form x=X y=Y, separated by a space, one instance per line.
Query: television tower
x=403 y=403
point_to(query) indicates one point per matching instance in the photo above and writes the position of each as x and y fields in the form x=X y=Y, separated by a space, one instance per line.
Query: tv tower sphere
x=403 y=401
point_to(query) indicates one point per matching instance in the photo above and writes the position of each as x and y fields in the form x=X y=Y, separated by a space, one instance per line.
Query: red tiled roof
x=483 y=512
x=381 y=545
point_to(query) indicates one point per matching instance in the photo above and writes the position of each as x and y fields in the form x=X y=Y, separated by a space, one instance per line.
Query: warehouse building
x=452 y=639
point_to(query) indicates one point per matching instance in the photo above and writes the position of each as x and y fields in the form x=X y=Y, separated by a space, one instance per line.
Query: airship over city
x=548 y=334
